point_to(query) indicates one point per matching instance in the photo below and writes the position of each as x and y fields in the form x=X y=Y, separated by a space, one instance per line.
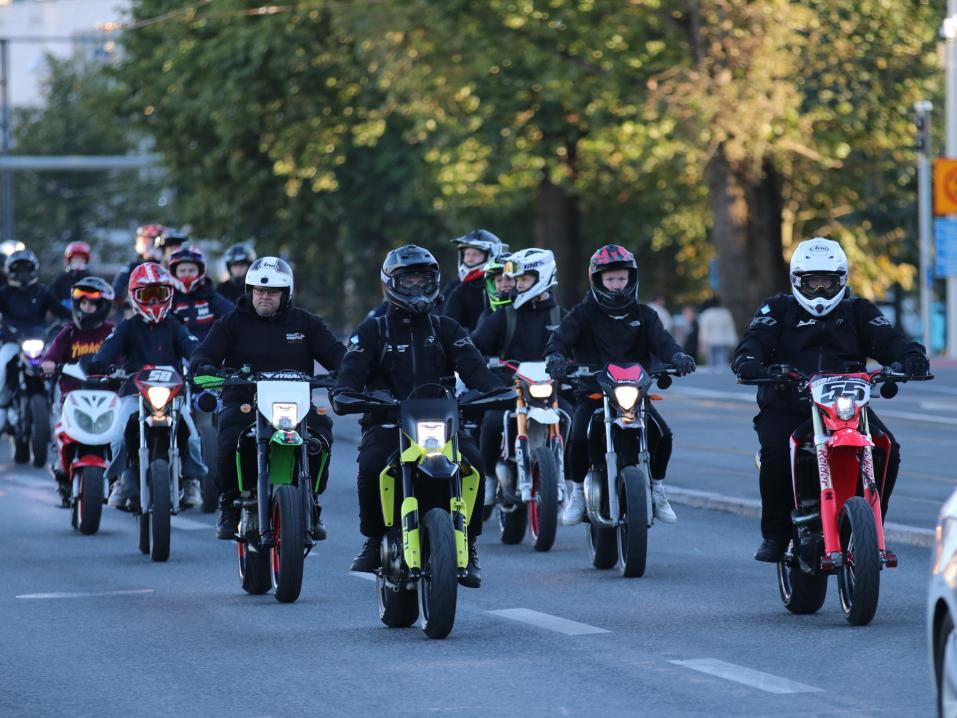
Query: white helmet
x=539 y=262
x=271 y=272
x=482 y=240
x=819 y=275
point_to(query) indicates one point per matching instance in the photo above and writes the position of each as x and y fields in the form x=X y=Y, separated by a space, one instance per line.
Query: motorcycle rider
x=195 y=302
x=818 y=327
x=169 y=241
x=77 y=259
x=149 y=336
x=266 y=332
x=498 y=285
x=518 y=331
x=238 y=259
x=407 y=348
x=610 y=325
x=466 y=301
x=145 y=252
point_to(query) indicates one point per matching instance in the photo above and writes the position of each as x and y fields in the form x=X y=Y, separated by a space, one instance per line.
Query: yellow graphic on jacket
x=80 y=349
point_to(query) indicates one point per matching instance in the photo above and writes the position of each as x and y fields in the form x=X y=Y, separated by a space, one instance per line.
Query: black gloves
x=683 y=363
x=751 y=368
x=557 y=366
x=916 y=364
x=206 y=370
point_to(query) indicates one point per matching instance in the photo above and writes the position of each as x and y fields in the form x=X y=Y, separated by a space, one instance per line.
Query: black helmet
x=96 y=290
x=410 y=276
x=21 y=268
x=613 y=256
x=239 y=254
x=170 y=238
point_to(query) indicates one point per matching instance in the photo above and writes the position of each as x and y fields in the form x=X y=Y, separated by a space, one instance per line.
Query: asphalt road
x=92 y=627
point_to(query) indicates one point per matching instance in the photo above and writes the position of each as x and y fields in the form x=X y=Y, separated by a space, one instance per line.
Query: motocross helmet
x=271 y=272
x=613 y=256
x=187 y=255
x=77 y=249
x=151 y=291
x=495 y=267
x=239 y=254
x=21 y=268
x=170 y=240
x=819 y=275
x=482 y=240
x=96 y=290
x=145 y=238
x=538 y=262
x=410 y=277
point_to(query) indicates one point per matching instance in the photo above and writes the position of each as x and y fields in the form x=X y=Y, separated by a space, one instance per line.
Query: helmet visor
x=825 y=285
x=153 y=294
x=416 y=283
x=86 y=293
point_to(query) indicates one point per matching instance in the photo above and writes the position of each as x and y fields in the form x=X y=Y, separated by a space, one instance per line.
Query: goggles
x=413 y=283
x=83 y=293
x=820 y=285
x=152 y=294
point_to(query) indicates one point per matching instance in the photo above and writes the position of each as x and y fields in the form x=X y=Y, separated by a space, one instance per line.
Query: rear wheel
x=88 y=506
x=602 y=546
x=512 y=519
x=254 y=574
x=439 y=584
x=543 y=509
x=801 y=592
x=40 y=425
x=859 y=579
x=159 y=534
x=289 y=552
x=633 y=529
x=210 y=493
x=21 y=433
x=397 y=609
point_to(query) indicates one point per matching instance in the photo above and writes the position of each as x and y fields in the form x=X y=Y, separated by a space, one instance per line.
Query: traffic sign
x=945 y=245
x=945 y=186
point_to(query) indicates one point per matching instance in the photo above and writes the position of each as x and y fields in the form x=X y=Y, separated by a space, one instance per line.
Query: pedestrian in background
x=689 y=338
x=658 y=304
x=717 y=334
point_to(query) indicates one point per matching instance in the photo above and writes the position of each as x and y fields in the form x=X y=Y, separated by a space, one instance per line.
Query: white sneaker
x=575 y=508
x=491 y=484
x=118 y=497
x=663 y=510
x=192 y=495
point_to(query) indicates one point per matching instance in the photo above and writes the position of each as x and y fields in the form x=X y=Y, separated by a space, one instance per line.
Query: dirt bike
x=29 y=410
x=88 y=420
x=837 y=524
x=618 y=483
x=277 y=504
x=427 y=552
x=530 y=470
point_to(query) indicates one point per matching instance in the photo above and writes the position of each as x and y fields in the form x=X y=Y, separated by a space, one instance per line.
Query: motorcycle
x=530 y=470
x=425 y=554
x=277 y=508
x=88 y=420
x=29 y=410
x=618 y=483
x=837 y=524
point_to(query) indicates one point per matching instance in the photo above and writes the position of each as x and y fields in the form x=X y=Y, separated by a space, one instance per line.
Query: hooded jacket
x=533 y=329
x=200 y=308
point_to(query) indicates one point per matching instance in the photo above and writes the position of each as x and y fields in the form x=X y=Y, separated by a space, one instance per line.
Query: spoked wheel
x=633 y=529
x=88 y=506
x=254 y=574
x=159 y=517
x=801 y=592
x=512 y=519
x=40 y=429
x=288 y=555
x=210 y=493
x=439 y=583
x=859 y=580
x=543 y=508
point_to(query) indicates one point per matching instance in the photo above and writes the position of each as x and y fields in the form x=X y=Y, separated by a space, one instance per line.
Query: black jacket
x=592 y=336
x=292 y=339
x=466 y=302
x=25 y=308
x=232 y=289
x=121 y=283
x=139 y=343
x=533 y=328
x=783 y=332
x=414 y=350
x=200 y=308
x=61 y=286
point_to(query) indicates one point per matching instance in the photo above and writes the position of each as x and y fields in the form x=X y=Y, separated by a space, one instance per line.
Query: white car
x=942 y=610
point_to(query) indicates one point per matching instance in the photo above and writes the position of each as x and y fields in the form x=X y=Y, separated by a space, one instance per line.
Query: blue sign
x=945 y=245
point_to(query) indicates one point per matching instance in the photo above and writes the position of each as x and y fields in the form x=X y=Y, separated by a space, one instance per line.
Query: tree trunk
x=557 y=229
x=747 y=237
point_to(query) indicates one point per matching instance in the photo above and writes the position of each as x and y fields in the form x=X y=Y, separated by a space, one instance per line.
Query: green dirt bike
x=277 y=505
x=424 y=556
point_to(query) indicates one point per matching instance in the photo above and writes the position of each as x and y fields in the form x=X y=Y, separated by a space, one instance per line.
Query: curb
x=895 y=533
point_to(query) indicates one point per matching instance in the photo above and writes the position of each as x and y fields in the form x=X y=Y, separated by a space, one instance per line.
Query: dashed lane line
x=185 y=524
x=87 y=594
x=548 y=621
x=361 y=574
x=746 y=676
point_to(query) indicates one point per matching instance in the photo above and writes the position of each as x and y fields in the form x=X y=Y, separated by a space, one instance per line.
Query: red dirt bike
x=838 y=527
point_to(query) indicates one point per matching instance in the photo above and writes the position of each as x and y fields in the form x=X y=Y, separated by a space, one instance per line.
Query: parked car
x=942 y=609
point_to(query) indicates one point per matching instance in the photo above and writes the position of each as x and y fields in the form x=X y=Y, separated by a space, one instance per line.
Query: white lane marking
x=746 y=676
x=546 y=620
x=185 y=524
x=938 y=405
x=362 y=574
x=86 y=594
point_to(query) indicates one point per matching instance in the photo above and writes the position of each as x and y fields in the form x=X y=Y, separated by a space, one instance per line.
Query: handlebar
x=347 y=401
x=783 y=374
x=237 y=377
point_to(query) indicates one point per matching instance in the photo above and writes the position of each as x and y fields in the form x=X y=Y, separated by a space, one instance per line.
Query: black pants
x=375 y=448
x=576 y=453
x=233 y=422
x=491 y=439
x=774 y=426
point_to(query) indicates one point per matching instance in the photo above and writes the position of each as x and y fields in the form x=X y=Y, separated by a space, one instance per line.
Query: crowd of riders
x=165 y=309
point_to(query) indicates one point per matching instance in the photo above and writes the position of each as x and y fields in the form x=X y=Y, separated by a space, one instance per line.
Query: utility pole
x=925 y=218
x=949 y=32
x=6 y=177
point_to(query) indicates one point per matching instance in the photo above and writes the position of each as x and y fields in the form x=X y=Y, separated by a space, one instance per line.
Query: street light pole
x=925 y=213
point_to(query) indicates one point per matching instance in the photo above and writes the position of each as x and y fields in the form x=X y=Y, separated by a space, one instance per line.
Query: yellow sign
x=945 y=186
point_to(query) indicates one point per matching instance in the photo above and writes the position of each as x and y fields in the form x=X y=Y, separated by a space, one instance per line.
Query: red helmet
x=187 y=255
x=74 y=249
x=613 y=256
x=151 y=291
x=145 y=237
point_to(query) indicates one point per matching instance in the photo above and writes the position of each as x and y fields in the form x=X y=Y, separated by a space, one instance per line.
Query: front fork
x=267 y=538
x=611 y=466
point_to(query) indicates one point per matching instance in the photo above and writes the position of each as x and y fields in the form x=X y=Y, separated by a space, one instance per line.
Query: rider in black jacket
x=407 y=348
x=467 y=300
x=607 y=326
x=238 y=259
x=264 y=333
x=816 y=328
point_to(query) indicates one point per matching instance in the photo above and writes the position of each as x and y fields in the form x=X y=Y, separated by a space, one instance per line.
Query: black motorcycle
x=28 y=412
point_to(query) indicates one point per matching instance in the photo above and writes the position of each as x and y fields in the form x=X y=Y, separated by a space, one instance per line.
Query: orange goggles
x=81 y=293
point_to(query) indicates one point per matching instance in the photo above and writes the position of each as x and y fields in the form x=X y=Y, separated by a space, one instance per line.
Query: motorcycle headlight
x=845 y=408
x=285 y=415
x=158 y=396
x=83 y=420
x=103 y=423
x=626 y=396
x=32 y=348
x=540 y=391
x=430 y=435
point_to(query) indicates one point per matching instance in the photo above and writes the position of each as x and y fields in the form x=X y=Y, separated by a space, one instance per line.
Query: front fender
x=543 y=416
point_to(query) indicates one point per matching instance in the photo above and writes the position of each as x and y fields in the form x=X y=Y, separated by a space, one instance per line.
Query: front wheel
x=543 y=509
x=88 y=506
x=859 y=579
x=801 y=592
x=40 y=429
x=159 y=516
x=288 y=555
x=633 y=527
x=439 y=583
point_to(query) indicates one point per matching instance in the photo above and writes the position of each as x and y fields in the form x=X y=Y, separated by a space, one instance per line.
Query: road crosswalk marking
x=548 y=621
x=746 y=676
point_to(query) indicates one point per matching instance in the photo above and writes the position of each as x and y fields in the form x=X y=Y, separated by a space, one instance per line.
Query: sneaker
x=369 y=558
x=771 y=550
x=228 y=519
x=473 y=571
x=575 y=508
x=491 y=484
x=121 y=493
x=663 y=510
x=192 y=493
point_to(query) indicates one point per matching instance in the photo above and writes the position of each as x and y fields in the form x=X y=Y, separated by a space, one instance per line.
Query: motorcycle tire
x=602 y=546
x=160 y=495
x=254 y=575
x=633 y=529
x=40 y=429
x=288 y=555
x=512 y=519
x=859 y=578
x=397 y=609
x=543 y=508
x=208 y=437
x=438 y=587
x=88 y=507
x=21 y=450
